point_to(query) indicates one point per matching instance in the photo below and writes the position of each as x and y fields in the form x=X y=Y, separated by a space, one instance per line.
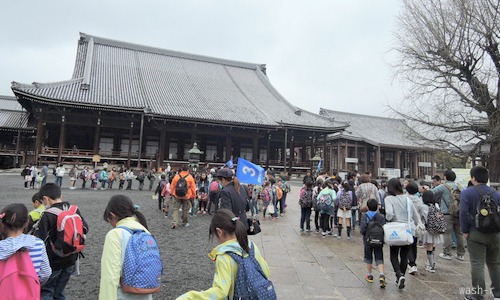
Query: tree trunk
x=494 y=161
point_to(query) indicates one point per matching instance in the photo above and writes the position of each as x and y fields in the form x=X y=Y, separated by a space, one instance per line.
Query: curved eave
x=60 y=102
x=315 y=128
x=211 y=122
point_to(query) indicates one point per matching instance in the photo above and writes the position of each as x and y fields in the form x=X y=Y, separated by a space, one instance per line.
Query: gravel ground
x=184 y=250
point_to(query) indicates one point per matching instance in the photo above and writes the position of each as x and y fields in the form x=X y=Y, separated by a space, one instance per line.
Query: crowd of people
x=442 y=214
x=438 y=215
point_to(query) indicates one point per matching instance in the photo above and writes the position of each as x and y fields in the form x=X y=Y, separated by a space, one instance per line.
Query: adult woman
x=202 y=187
x=119 y=212
x=231 y=234
x=232 y=196
x=396 y=210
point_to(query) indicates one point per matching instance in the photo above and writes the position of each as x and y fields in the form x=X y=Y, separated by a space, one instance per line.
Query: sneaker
x=401 y=282
x=348 y=237
x=413 y=270
x=427 y=263
x=445 y=256
x=301 y=229
x=174 y=226
x=369 y=278
x=430 y=269
x=317 y=230
x=329 y=233
x=308 y=230
x=460 y=257
x=336 y=235
x=186 y=225
x=381 y=281
x=339 y=237
x=323 y=233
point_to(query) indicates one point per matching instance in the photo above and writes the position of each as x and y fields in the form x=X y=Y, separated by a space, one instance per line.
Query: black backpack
x=374 y=233
x=487 y=218
x=181 y=187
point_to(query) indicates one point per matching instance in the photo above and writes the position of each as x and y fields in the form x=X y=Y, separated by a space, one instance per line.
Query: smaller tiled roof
x=378 y=131
x=12 y=115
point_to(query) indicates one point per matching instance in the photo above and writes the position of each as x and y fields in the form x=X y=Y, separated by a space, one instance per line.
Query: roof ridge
x=162 y=51
x=39 y=85
x=328 y=111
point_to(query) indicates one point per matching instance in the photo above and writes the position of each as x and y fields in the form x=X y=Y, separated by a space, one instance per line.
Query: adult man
x=442 y=195
x=62 y=267
x=483 y=247
x=44 y=173
x=232 y=197
x=436 y=180
x=182 y=195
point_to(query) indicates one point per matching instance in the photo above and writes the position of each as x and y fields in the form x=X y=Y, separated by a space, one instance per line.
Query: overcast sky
x=332 y=54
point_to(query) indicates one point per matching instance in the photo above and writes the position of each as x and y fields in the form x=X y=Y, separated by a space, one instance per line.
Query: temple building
x=387 y=147
x=138 y=105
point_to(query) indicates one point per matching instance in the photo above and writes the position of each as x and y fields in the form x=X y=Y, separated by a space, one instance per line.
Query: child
x=305 y=202
x=344 y=201
x=14 y=219
x=62 y=267
x=370 y=251
x=231 y=234
x=265 y=196
x=327 y=193
x=35 y=214
x=120 y=211
x=430 y=240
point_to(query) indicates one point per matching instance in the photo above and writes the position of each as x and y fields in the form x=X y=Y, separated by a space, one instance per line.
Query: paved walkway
x=308 y=266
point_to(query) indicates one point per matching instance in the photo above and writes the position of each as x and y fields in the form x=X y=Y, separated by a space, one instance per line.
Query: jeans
x=254 y=209
x=103 y=184
x=370 y=252
x=399 y=259
x=305 y=216
x=84 y=183
x=54 y=287
x=353 y=218
x=59 y=180
x=452 y=224
x=129 y=184
x=484 y=248
x=412 y=254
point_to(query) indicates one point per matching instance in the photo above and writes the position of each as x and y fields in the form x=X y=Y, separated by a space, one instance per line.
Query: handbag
x=253 y=227
x=270 y=209
x=398 y=233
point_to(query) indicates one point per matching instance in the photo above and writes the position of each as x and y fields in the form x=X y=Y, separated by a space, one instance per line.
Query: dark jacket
x=236 y=202
x=47 y=229
x=469 y=200
x=365 y=220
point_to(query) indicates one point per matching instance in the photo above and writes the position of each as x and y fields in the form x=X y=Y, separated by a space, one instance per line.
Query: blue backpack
x=251 y=283
x=142 y=266
x=324 y=202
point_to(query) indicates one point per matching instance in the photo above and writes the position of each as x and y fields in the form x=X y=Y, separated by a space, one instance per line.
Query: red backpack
x=18 y=278
x=70 y=237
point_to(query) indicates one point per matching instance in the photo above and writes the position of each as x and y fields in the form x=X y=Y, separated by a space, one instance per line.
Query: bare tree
x=449 y=60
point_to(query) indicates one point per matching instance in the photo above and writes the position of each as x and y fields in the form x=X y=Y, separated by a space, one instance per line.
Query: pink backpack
x=18 y=278
x=214 y=186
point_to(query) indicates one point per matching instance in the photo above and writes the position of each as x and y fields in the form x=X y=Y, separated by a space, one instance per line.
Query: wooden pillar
x=130 y=144
x=39 y=135
x=167 y=146
x=325 y=163
x=62 y=138
x=356 y=155
x=292 y=154
x=339 y=161
x=433 y=164
x=141 y=133
x=161 y=148
x=228 y=147
x=397 y=159
x=255 y=150
x=346 y=153
x=97 y=137
x=304 y=153
x=332 y=167
x=377 y=162
x=285 y=145
x=268 y=149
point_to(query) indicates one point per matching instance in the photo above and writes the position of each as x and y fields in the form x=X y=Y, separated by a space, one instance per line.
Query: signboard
x=424 y=164
x=389 y=173
x=463 y=177
x=351 y=160
x=96 y=158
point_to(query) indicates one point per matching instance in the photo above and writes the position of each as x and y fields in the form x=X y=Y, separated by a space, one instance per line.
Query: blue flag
x=249 y=173
x=229 y=163
x=319 y=165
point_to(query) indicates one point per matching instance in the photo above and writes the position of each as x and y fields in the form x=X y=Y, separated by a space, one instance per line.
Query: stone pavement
x=308 y=266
